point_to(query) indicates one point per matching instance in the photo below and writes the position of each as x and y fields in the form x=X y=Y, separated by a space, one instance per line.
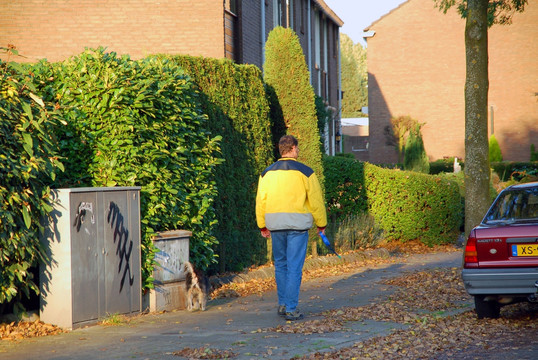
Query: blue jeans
x=289 y=252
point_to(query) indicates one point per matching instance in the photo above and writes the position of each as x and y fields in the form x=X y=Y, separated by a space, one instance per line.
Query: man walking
x=288 y=202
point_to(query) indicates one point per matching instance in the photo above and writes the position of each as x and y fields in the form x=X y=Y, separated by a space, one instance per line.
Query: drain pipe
x=309 y=42
x=339 y=95
x=262 y=37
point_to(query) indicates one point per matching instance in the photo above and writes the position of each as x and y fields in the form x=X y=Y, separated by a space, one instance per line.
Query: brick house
x=416 y=67
x=235 y=29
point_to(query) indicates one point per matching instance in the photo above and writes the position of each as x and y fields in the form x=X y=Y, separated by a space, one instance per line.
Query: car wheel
x=486 y=309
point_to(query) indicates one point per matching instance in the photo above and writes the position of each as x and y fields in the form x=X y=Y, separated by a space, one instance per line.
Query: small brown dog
x=198 y=287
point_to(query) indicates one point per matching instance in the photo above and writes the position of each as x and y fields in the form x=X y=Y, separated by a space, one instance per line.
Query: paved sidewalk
x=234 y=324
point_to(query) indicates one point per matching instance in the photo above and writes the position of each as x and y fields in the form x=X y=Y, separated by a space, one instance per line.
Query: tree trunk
x=477 y=173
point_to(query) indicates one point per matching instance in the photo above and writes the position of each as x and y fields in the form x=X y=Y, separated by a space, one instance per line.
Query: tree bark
x=477 y=173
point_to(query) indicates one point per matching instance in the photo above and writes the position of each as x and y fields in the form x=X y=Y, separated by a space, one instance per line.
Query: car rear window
x=514 y=206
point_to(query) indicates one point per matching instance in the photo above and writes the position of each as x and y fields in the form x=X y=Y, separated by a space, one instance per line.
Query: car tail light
x=470 y=259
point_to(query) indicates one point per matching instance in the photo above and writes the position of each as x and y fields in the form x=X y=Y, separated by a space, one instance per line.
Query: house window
x=231 y=6
x=279 y=13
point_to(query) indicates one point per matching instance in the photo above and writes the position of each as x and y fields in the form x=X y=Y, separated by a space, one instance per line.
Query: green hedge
x=344 y=187
x=27 y=166
x=234 y=97
x=505 y=169
x=407 y=205
x=138 y=123
x=286 y=72
x=444 y=166
x=410 y=205
x=516 y=170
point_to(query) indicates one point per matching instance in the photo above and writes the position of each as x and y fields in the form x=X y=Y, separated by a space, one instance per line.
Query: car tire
x=486 y=309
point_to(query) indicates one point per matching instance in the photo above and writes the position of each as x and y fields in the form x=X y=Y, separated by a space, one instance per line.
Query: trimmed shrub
x=495 y=154
x=411 y=205
x=287 y=73
x=406 y=205
x=415 y=158
x=444 y=166
x=344 y=187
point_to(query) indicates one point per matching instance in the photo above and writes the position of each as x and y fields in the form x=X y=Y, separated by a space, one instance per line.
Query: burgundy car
x=500 y=264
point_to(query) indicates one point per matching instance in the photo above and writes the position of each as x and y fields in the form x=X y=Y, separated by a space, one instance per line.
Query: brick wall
x=57 y=29
x=416 y=67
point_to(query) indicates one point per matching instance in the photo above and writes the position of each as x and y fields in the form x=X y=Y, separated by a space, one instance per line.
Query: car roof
x=523 y=186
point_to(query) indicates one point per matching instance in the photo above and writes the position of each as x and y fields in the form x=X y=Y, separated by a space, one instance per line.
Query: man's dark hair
x=286 y=143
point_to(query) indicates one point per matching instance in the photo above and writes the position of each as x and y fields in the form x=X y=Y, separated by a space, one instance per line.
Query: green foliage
x=278 y=124
x=287 y=73
x=534 y=153
x=344 y=187
x=514 y=170
x=410 y=205
x=406 y=205
x=398 y=131
x=498 y=12
x=234 y=97
x=27 y=166
x=444 y=166
x=354 y=78
x=495 y=154
x=138 y=123
x=415 y=158
x=322 y=113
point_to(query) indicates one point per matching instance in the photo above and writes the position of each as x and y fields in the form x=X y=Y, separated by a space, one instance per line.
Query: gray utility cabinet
x=93 y=243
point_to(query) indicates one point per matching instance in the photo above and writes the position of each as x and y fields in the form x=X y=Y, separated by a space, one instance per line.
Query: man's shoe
x=294 y=315
x=282 y=310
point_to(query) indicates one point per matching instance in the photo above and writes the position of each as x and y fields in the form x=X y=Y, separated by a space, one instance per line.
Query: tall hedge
x=234 y=98
x=286 y=71
x=138 y=123
x=27 y=166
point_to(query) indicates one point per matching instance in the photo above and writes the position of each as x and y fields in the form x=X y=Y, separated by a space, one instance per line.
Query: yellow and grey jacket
x=289 y=197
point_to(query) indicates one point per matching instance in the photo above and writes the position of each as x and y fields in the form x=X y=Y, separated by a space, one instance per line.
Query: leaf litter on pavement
x=423 y=302
x=433 y=305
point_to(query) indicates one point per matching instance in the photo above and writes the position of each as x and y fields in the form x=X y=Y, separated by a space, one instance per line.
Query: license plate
x=525 y=250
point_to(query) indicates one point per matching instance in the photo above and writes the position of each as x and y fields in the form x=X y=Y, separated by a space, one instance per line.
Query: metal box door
x=86 y=245
x=122 y=252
